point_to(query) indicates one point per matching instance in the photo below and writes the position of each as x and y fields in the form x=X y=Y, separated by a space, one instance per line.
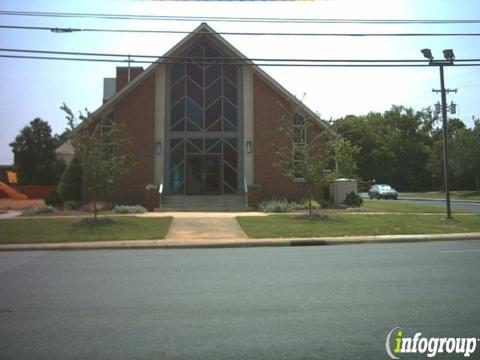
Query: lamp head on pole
x=427 y=53
x=448 y=54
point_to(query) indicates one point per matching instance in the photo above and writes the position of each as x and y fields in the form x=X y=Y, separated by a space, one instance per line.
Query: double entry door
x=204 y=174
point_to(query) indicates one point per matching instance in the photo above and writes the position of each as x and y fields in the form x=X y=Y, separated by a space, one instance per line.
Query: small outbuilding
x=339 y=189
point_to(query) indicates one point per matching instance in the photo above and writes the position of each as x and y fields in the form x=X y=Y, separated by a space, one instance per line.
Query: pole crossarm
x=448 y=91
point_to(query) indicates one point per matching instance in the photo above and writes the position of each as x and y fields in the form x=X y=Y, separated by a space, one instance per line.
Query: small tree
x=70 y=185
x=346 y=155
x=99 y=151
x=305 y=153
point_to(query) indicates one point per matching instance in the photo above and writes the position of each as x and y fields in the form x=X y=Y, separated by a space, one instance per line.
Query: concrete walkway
x=205 y=226
x=10 y=214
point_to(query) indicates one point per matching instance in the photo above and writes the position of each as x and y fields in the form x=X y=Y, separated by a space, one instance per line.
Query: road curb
x=238 y=243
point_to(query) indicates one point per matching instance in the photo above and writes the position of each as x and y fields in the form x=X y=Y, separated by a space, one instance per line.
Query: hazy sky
x=36 y=88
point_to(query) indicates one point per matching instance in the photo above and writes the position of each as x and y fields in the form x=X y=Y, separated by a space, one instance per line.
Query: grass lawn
x=69 y=230
x=356 y=224
x=399 y=207
x=459 y=194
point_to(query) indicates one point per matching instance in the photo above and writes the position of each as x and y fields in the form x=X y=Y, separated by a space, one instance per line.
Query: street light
x=427 y=53
x=449 y=57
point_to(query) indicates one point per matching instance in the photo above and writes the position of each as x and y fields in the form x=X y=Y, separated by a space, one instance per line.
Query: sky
x=37 y=88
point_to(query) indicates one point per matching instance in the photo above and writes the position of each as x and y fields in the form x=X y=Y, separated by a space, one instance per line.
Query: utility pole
x=444 y=109
x=128 y=79
x=449 y=57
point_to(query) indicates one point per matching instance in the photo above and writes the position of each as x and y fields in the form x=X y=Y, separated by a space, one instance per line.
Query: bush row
x=284 y=206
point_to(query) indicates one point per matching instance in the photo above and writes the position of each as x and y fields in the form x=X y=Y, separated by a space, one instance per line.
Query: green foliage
x=278 y=206
x=34 y=151
x=129 y=209
x=305 y=153
x=394 y=147
x=353 y=200
x=346 y=157
x=103 y=154
x=314 y=203
x=464 y=156
x=71 y=205
x=54 y=199
x=70 y=185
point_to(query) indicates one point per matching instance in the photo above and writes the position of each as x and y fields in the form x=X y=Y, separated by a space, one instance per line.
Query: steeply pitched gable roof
x=203 y=29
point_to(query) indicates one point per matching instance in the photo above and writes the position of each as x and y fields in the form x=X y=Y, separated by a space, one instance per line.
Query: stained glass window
x=203 y=97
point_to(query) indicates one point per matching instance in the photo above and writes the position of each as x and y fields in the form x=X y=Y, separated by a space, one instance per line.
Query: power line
x=379 y=65
x=237 y=19
x=225 y=60
x=149 y=31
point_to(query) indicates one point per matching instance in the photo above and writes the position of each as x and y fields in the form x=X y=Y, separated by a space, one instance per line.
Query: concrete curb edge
x=235 y=243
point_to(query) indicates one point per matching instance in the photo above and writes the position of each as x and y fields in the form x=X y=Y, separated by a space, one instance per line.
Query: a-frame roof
x=203 y=29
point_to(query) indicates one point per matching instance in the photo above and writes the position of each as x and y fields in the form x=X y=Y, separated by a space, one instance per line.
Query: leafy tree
x=34 y=151
x=99 y=152
x=394 y=146
x=456 y=134
x=346 y=155
x=70 y=185
x=464 y=156
x=299 y=158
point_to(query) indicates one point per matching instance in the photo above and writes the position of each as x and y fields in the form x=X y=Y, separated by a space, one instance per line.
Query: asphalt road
x=330 y=302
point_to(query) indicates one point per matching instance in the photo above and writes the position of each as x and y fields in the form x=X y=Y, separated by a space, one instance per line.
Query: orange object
x=12 y=193
x=12 y=177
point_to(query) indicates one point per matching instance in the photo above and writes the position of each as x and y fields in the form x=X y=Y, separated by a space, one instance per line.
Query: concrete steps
x=212 y=203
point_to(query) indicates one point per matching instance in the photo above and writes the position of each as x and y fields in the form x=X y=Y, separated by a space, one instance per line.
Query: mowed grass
x=458 y=194
x=71 y=230
x=396 y=206
x=275 y=226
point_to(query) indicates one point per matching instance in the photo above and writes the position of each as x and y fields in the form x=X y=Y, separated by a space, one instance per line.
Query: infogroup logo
x=397 y=343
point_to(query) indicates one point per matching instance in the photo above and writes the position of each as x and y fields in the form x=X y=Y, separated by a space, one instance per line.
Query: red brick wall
x=267 y=115
x=137 y=111
x=122 y=76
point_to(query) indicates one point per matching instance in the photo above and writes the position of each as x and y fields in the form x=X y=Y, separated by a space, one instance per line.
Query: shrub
x=70 y=185
x=315 y=204
x=353 y=199
x=151 y=187
x=71 y=205
x=88 y=207
x=47 y=209
x=278 y=206
x=54 y=199
x=126 y=209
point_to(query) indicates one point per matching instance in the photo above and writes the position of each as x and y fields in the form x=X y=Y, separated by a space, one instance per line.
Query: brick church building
x=201 y=126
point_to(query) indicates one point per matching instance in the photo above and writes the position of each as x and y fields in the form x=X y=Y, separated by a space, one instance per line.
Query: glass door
x=203 y=174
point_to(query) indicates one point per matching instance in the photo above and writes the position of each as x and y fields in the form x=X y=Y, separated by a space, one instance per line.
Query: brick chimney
x=122 y=76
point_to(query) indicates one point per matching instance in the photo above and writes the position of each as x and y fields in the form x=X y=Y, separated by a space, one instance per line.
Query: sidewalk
x=239 y=242
x=204 y=228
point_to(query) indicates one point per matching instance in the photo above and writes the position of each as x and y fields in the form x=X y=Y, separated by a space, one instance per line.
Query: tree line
x=401 y=147
x=404 y=148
